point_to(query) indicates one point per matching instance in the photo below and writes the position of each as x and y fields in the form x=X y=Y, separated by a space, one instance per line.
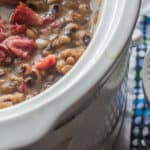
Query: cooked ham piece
x=25 y=15
x=6 y=29
x=16 y=46
x=17 y=29
x=19 y=46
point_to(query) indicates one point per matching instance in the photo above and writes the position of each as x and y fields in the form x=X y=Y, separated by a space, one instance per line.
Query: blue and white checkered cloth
x=141 y=110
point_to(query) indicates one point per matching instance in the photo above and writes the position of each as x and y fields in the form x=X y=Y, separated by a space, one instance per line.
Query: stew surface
x=39 y=43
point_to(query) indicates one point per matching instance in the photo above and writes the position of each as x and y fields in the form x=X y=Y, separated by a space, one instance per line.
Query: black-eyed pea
x=64 y=54
x=78 y=42
x=86 y=39
x=48 y=50
x=73 y=53
x=70 y=60
x=52 y=37
x=42 y=43
x=67 y=19
x=31 y=34
x=59 y=65
x=50 y=77
x=58 y=57
x=68 y=52
x=2 y=81
x=46 y=53
x=37 y=74
x=79 y=34
x=2 y=72
x=33 y=78
x=64 y=39
x=76 y=16
x=16 y=78
x=83 y=37
x=83 y=8
x=95 y=18
x=78 y=54
x=25 y=69
x=9 y=87
x=14 y=98
x=56 y=43
x=71 y=28
x=5 y=104
x=55 y=8
x=58 y=68
x=66 y=68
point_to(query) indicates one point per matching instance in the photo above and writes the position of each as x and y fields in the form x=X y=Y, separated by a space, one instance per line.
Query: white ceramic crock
x=27 y=122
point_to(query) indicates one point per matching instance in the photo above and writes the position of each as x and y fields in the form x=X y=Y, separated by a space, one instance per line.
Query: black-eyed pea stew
x=39 y=43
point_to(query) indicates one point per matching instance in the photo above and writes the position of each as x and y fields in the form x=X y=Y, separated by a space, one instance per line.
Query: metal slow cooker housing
x=98 y=79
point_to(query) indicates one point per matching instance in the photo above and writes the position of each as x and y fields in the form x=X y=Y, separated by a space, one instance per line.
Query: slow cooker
x=86 y=107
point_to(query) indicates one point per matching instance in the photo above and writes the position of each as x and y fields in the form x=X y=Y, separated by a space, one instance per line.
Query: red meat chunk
x=46 y=62
x=18 y=29
x=25 y=15
x=20 y=46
